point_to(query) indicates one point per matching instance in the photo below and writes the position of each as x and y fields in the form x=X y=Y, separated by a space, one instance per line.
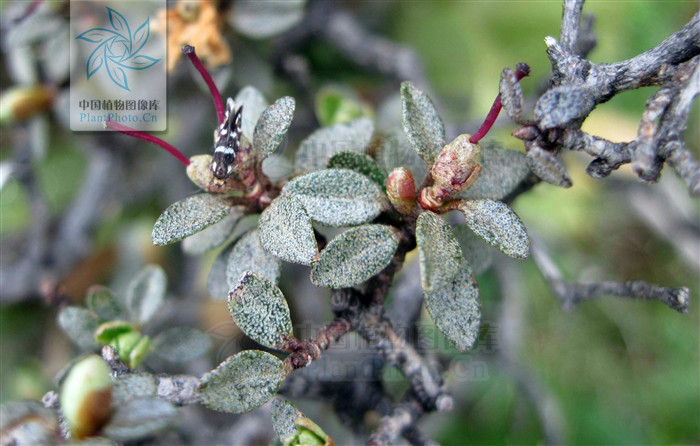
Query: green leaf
x=130 y=386
x=180 y=344
x=243 y=382
x=254 y=104
x=139 y=418
x=502 y=170
x=260 y=20
x=496 y=223
x=103 y=303
x=248 y=254
x=286 y=231
x=80 y=325
x=421 y=122
x=360 y=163
x=272 y=127
x=258 y=307
x=108 y=331
x=335 y=105
x=315 y=151
x=455 y=309
x=475 y=250
x=396 y=151
x=337 y=197
x=145 y=293
x=354 y=256
x=440 y=254
x=213 y=236
x=188 y=216
x=284 y=416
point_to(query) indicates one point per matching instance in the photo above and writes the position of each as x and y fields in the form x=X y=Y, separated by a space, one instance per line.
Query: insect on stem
x=147 y=137
x=218 y=102
x=521 y=70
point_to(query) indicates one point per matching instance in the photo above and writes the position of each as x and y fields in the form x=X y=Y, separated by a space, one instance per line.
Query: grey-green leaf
x=545 y=165
x=103 y=303
x=455 y=309
x=259 y=20
x=180 y=344
x=475 y=250
x=315 y=151
x=254 y=104
x=217 y=284
x=396 y=151
x=243 y=382
x=337 y=197
x=80 y=325
x=502 y=170
x=284 y=416
x=354 y=256
x=129 y=386
x=139 y=418
x=272 y=126
x=496 y=223
x=213 y=236
x=360 y=163
x=421 y=122
x=286 y=231
x=258 y=307
x=439 y=250
x=248 y=254
x=145 y=293
x=187 y=217
x=28 y=423
x=511 y=94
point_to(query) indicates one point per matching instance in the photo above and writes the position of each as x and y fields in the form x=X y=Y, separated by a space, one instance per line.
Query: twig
x=578 y=85
x=571 y=16
x=570 y=293
x=177 y=389
x=401 y=419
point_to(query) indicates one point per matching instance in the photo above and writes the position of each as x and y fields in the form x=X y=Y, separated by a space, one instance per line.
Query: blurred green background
x=618 y=371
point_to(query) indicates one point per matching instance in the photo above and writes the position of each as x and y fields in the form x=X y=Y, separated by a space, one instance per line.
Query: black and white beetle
x=228 y=141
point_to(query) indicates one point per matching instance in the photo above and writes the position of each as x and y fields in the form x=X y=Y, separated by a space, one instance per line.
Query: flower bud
x=457 y=166
x=401 y=189
x=199 y=172
x=17 y=104
x=86 y=396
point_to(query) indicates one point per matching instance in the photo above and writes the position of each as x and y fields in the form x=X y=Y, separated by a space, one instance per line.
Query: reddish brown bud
x=526 y=133
x=457 y=166
x=401 y=189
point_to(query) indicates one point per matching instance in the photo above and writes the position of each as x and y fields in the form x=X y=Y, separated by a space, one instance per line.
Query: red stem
x=147 y=137
x=218 y=101
x=521 y=70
